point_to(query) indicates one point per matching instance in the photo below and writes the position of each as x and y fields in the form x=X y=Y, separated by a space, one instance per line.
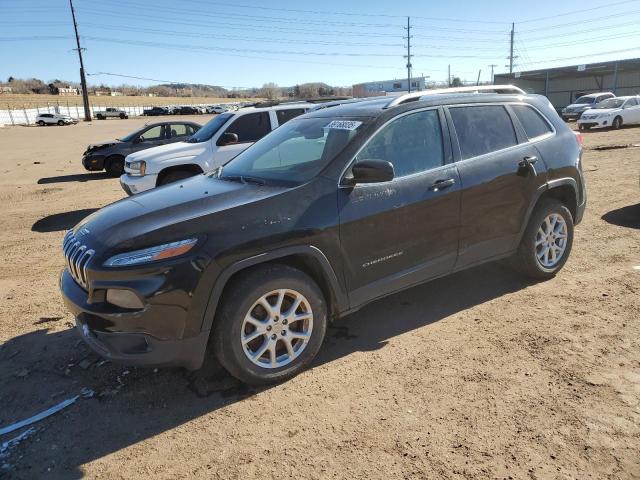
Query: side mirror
x=138 y=140
x=371 y=171
x=227 y=139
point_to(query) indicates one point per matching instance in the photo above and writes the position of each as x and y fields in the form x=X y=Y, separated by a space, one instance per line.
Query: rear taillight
x=579 y=138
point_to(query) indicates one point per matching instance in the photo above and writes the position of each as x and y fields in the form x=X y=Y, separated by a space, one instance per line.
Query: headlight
x=138 y=167
x=146 y=255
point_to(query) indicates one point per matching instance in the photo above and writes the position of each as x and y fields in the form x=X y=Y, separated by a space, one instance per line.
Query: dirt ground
x=478 y=375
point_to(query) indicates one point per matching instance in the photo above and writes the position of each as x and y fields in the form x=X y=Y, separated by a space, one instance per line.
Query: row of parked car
x=604 y=110
x=341 y=204
x=184 y=110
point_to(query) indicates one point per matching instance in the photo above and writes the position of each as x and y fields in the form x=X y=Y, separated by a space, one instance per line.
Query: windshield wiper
x=243 y=179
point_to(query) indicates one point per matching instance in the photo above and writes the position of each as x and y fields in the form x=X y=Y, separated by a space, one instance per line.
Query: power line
x=581 y=22
x=582 y=10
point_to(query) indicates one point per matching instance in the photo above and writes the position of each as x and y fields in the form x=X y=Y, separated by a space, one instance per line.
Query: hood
x=168 y=213
x=171 y=150
x=99 y=145
x=576 y=107
x=601 y=111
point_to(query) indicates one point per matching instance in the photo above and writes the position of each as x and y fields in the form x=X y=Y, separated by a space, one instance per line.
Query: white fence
x=27 y=115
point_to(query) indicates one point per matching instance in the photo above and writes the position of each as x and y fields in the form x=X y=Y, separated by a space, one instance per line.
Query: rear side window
x=251 y=127
x=412 y=143
x=533 y=123
x=286 y=115
x=482 y=129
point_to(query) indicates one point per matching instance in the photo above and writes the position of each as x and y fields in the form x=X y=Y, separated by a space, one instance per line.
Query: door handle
x=442 y=184
x=528 y=163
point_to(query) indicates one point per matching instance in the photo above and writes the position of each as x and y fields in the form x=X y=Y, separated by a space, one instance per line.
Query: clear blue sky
x=245 y=43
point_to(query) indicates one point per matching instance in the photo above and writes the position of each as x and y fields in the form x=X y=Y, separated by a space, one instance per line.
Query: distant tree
x=456 y=82
x=10 y=79
x=296 y=91
x=270 y=91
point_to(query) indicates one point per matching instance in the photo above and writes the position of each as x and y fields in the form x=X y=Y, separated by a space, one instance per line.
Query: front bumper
x=123 y=335
x=133 y=185
x=93 y=163
x=594 y=122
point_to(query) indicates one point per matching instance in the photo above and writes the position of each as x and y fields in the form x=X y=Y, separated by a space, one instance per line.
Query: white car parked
x=584 y=103
x=217 y=142
x=216 y=109
x=613 y=112
x=54 y=119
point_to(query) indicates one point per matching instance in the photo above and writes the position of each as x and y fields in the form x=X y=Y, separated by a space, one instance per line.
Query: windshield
x=584 y=100
x=611 y=103
x=131 y=136
x=293 y=153
x=210 y=128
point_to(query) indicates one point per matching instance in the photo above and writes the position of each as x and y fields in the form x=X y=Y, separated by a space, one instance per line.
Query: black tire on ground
x=60 y=122
x=41 y=123
x=175 y=177
x=123 y=116
x=239 y=297
x=526 y=258
x=617 y=123
x=100 y=117
x=114 y=165
x=584 y=128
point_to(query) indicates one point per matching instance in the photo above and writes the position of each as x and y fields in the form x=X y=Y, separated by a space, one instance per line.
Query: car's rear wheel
x=270 y=325
x=41 y=123
x=617 y=123
x=114 y=166
x=547 y=240
x=123 y=116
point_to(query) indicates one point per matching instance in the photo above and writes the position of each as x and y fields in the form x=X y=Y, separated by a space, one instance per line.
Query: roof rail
x=336 y=103
x=273 y=103
x=414 y=96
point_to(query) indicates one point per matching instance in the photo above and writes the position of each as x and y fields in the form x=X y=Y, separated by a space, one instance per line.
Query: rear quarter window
x=482 y=129
x=287 y=114
x=534 y=124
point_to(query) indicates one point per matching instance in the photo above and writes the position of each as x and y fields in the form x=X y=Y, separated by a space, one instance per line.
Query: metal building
x=382 y=87
x=562 y=85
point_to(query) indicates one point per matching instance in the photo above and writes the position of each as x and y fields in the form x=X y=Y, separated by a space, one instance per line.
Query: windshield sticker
x=344 y=124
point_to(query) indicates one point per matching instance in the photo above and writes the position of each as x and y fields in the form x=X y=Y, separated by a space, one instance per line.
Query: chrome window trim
x=372 y=136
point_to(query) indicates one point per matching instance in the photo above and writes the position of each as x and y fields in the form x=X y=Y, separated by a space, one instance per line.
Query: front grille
x=77 y=256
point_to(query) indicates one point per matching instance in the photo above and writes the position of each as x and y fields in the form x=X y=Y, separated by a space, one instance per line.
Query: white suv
x=217 y=142
x=54 y=119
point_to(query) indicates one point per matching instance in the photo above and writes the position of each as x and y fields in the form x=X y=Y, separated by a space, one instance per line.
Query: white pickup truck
x=217 y=142
x=111 y=113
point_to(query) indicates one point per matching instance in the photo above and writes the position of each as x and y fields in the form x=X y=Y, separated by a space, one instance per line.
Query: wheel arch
x=563 y=189
x=186 y=167
x=306 y=258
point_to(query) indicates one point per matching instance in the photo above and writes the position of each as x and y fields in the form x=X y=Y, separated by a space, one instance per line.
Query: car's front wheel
x=617 y=123
x=41 y=123
x=270 y=325
x=60 y=122
x=114 y=166
x=547 y=240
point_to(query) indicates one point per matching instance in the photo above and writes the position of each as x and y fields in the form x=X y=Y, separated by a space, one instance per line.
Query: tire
x=617 y=123
x=242 y=297
x=41 y=123
x=100 y=117
x=60 y=122
x=527 y=257
x=174 y=177
x=584 y=128
x=123 y=116
x=114 y=166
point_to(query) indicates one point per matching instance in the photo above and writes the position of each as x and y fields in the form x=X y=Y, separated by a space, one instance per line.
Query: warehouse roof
x=572 y=71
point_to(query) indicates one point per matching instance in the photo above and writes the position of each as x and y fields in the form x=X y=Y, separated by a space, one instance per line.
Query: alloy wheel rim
x=277 y=328
x=551 y=240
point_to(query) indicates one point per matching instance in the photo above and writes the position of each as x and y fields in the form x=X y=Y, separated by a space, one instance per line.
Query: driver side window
x=154 y=133
x=412 y=143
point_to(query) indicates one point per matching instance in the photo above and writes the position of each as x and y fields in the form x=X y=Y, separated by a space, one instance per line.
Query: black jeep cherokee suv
x=332 y=210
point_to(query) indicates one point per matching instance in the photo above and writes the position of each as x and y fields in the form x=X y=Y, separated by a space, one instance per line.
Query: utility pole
x=408 y=55
x=492 y=65
x=449 y=76
x=478 y=81
x=513 y=28
x=83 y=80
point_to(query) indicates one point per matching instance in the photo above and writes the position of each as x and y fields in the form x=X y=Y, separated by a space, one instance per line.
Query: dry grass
x=31 y=101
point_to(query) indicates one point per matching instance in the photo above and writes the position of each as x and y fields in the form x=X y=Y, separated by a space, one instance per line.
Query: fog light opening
x=124 y=298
